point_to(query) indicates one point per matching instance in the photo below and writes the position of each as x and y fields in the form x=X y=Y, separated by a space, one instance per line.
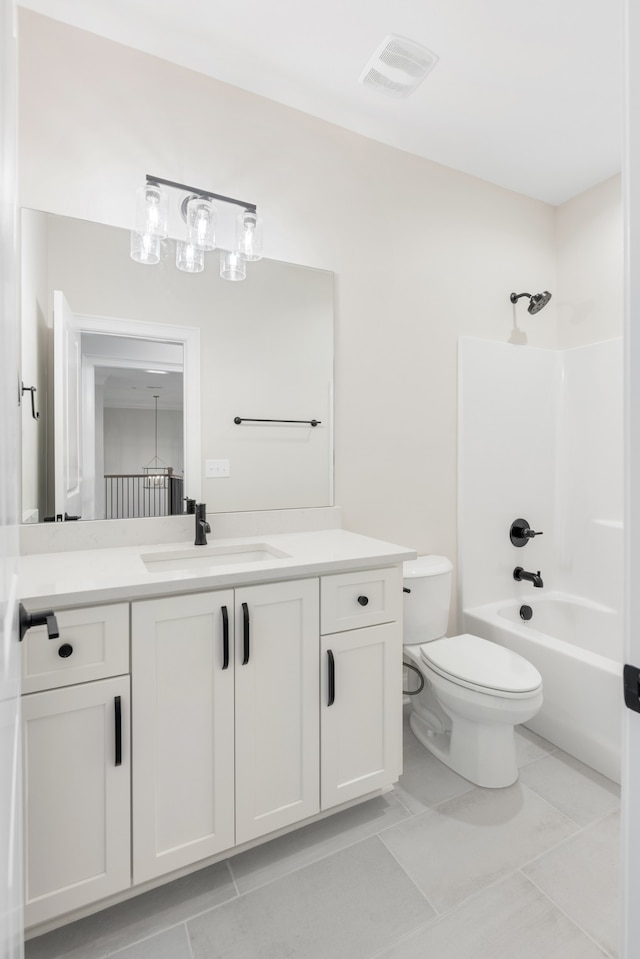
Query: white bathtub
x=576 y=646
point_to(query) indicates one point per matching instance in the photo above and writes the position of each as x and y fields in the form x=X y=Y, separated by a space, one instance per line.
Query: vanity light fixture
x=199 y=213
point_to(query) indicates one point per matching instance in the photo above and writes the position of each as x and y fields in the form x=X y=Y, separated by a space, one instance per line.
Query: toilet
x=474 y=691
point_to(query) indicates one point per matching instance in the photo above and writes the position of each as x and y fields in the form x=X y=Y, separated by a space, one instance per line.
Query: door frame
x=189 y=338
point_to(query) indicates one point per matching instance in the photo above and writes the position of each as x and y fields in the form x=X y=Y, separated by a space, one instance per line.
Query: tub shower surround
x=540 y=436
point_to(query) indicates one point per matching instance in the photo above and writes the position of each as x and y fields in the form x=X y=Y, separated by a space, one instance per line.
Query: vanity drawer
x=93 y=644
x=352 y=600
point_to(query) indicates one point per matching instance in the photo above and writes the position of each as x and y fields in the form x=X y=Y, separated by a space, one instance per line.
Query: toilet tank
x=426 y=607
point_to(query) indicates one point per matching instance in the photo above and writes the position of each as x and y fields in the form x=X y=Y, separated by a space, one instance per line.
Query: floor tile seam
x=447 y=914
x=325 y=855
x=578 y=826
x=537 y=759
x=152 y=935
x=574 y=835
x=411 y=880
x=569 y=918
x=183 y=921
x=284 y=875
x=406 y=808
x=229 y=865
x=562 y=812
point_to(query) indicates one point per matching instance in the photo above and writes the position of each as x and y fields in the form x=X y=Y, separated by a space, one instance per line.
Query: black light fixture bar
x=158 y=181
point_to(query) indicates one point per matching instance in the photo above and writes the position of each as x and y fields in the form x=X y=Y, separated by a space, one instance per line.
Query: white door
x=10 y=792
x=631 y=739
x=277 y=725
x=67 y=408
x=77 y=796
x=182 y=687
x=361 y=712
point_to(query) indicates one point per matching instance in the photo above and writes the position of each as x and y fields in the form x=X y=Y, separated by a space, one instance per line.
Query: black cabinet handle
x=245 y=634
x=117 y=705
x=363 y=600
x=65 y=650
x=332 y=678
x=225 y=637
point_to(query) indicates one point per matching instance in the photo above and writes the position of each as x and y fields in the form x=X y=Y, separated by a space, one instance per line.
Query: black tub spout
x=519 y=574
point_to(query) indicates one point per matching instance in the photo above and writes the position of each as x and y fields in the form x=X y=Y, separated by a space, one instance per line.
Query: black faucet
x=519 y=573
x=202 y=526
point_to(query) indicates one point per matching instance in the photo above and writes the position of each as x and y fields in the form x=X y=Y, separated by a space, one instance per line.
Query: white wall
x=590 y=262
x=421 y=253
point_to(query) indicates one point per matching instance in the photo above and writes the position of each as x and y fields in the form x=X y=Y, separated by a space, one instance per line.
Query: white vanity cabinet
x=361 y=673
x=235 y=710
x=277 y=723
x=76 y=761
x=183 y=730
x=225 y=690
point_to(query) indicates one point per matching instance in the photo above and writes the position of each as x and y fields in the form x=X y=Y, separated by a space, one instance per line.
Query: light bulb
x=249 y=235
x=201 y=222
x=145 y=248
x=188 y=258
x=232 y=266
x=151 y=210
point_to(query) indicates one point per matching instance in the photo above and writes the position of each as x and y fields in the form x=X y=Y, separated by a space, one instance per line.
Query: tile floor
x=439 y=868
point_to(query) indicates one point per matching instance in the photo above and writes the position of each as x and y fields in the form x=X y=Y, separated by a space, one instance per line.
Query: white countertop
x=81 y=577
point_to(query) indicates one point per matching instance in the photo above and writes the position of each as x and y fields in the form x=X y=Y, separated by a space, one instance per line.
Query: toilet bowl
x=475 y=692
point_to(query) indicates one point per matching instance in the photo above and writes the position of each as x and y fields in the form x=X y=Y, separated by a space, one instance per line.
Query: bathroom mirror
x=164 y=364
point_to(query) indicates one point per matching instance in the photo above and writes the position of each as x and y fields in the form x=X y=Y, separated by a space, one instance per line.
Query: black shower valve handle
x=520 y=532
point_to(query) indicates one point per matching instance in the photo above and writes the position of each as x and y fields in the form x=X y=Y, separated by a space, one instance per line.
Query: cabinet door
x=77 y=796
x=182 y=691
x=361 y=712
x=277 y=752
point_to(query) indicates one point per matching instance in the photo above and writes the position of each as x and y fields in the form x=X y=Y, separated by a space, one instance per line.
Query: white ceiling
x=526 y=94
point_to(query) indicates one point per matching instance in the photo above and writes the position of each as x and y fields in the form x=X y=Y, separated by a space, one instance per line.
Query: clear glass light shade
x=151 y=210
x=249 y=235
x=201 y=223
x=188 y=258
x=145 y=248
x=232 y=265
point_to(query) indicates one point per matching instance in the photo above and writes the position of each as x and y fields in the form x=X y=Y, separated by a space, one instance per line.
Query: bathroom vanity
x=199 y=700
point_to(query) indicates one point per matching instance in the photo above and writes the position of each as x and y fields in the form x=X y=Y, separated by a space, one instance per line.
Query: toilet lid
x=470 y=659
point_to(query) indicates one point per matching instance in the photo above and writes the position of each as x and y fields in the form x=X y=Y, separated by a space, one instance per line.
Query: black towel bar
x=245 y=419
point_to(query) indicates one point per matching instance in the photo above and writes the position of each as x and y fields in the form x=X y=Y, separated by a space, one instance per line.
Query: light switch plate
x=214 y=469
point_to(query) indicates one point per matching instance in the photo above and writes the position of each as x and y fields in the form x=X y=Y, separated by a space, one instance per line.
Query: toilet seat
x=478 y=664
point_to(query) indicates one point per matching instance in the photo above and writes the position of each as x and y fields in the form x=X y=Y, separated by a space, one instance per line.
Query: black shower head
x=536 y=300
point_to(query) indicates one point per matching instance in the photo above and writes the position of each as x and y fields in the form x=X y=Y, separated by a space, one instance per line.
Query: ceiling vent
x=398 y=66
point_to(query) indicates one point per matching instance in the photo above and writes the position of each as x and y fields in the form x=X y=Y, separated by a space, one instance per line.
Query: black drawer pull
x=65 y=650
x=363 y=600
x=225 y=637
x=117 y=705
x=332 y=678
x=246 y=649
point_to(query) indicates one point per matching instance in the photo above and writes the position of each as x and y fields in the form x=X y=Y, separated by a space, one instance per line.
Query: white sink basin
x=205 y=557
